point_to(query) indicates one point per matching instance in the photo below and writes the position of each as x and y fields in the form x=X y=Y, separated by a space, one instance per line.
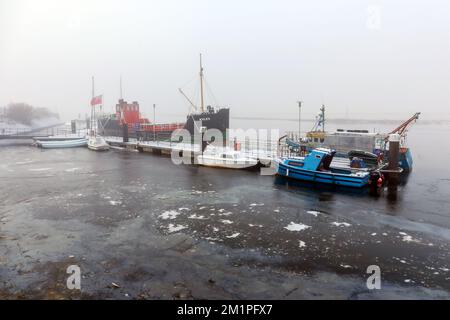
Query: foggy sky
x=260 y=57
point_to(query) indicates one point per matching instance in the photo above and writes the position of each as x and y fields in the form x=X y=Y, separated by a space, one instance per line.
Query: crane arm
x=189 y=100
x=401 y=129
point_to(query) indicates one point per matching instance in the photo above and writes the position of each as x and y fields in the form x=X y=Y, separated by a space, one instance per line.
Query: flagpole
x=92 y=107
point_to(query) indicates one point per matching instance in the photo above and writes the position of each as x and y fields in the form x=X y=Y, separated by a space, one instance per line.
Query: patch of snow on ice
x=234 y=235
x=25 y=162
x=339 y=224
x=195 y=216
x=175 y=228
x=297 y=226
x=408 y=238
x=313 y=212
x=169 y=215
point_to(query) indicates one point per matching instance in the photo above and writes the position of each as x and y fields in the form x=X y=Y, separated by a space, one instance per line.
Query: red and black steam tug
x=127 y=120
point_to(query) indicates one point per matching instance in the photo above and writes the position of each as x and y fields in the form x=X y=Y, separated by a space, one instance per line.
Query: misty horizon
x=362 y=59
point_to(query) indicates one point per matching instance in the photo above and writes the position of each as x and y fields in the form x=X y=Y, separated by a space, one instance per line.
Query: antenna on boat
x=322 y=110
x=201 y=86
x=299 y=118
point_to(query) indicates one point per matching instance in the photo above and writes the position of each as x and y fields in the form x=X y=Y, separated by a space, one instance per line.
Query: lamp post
x=154 y=122
x=299 y=118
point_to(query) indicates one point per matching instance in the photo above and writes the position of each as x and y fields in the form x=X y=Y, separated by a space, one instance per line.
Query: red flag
x=97 y=100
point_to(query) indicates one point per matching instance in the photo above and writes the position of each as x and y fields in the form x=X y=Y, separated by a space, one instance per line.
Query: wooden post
x=125 y=132
x=394 y=151
x=393 y=165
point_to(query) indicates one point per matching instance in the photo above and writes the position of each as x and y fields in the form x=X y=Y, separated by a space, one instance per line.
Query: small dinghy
x=97 y=143
x=62 y=144
x=226 y=158
x=315 y=167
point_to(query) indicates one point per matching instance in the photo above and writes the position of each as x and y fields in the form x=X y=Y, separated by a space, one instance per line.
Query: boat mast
x=201 y=86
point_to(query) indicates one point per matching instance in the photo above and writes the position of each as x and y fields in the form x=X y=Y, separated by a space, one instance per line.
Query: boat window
x=295 y=163
x=322 y=140
x=316 y=140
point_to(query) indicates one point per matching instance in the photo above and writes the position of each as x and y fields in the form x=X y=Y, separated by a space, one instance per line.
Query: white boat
x=62 y=144
x=225 y=158
x=97 y=143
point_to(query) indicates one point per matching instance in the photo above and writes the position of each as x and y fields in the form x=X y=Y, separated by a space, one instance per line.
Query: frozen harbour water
x=159 y=230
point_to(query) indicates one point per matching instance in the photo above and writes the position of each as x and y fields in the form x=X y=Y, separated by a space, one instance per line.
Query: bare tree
x=25 y=113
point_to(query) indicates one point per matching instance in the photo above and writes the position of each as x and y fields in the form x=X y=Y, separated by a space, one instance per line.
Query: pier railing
x=29 y=133
x=255 y=148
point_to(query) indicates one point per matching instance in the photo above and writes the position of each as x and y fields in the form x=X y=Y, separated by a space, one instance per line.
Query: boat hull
x=61 y=144
x=321 y=177
x=98 y=144
x=227 y=164
x=405 y=159
x=219 y=120
x=98 y=148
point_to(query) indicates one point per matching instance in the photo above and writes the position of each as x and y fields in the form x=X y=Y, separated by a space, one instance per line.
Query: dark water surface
x=158 y=230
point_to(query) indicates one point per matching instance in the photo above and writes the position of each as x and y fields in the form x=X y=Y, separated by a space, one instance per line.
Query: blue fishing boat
x=315 y=167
